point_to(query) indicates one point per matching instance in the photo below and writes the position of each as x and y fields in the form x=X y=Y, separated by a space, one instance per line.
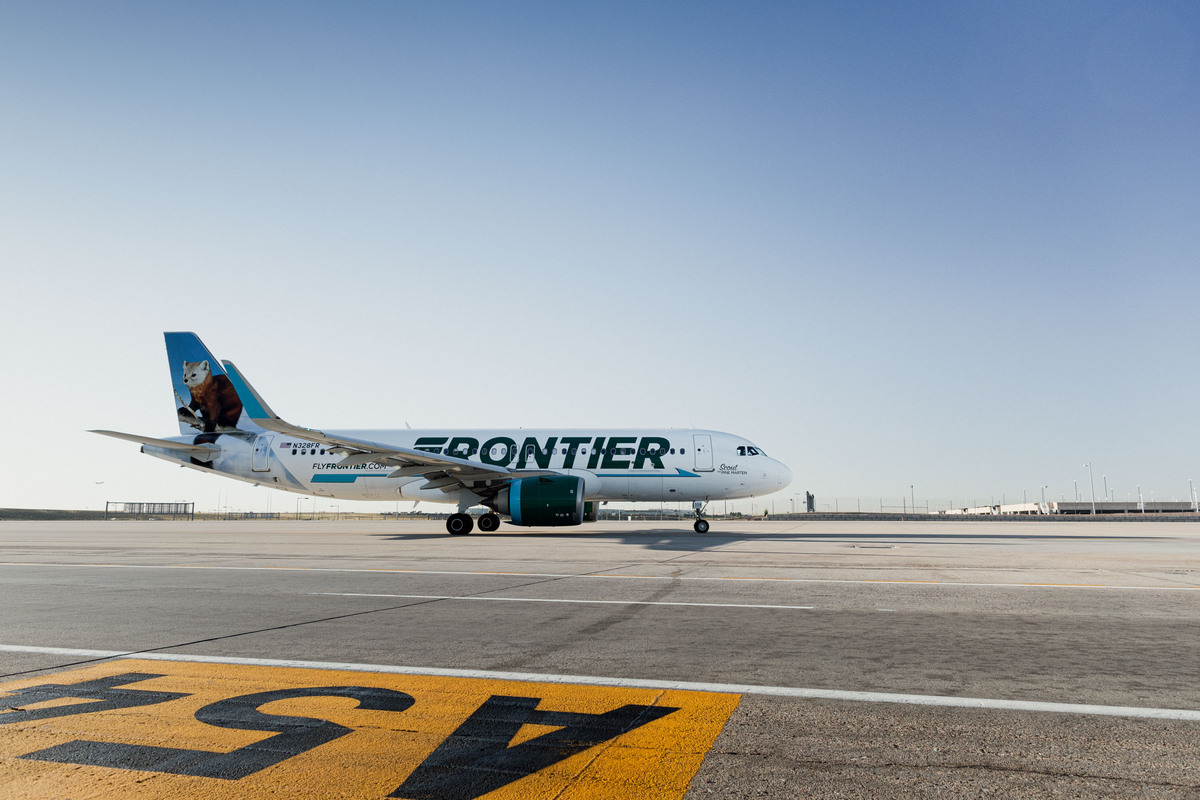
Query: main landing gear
x=461 y=524
x=701 y=524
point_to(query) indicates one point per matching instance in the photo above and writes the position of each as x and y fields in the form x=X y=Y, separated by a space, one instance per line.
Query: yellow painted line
x=522 y=574
x=741 y=578
x=167 y=729
x=888 y=580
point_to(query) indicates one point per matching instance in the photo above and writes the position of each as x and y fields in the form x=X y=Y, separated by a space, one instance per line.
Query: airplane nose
x=783 y=474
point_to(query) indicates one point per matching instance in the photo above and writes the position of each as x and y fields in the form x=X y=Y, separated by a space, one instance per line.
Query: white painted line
x=595 y=576
x=556 y=600
x=637 y=683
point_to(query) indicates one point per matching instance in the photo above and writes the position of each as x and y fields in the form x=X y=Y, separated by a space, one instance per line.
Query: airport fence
x=150 y=510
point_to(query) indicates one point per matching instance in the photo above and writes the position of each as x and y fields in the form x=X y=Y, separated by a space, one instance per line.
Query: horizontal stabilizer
x=200 y=452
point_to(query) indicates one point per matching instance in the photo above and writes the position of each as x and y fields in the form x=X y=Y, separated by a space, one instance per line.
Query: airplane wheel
x=489 y=523
x=701 y=526
x=459 y=524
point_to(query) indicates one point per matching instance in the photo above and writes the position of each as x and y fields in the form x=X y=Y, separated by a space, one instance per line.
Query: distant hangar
x=1078 y=507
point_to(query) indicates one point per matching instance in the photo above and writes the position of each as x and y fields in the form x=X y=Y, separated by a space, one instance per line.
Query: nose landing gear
x=701 y=524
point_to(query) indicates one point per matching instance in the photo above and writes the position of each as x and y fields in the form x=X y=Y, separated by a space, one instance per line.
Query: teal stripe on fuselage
x=679 y=473
x=346 y=478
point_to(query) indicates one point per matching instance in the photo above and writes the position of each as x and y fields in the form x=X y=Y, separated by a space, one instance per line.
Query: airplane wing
x=445 y=472
x=200 y=452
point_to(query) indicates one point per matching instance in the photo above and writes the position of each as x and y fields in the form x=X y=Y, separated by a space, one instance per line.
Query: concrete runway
x=895 y=625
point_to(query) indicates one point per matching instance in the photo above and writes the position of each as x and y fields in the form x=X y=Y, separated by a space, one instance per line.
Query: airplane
x=531 y=477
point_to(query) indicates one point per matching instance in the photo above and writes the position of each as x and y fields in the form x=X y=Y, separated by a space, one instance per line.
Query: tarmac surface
x=631 y=659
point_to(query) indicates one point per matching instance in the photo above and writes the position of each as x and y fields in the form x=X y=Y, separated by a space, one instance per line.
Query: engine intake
x=549 y=500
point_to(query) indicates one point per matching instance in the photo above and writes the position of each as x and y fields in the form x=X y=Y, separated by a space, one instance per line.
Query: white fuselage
x=647 y=465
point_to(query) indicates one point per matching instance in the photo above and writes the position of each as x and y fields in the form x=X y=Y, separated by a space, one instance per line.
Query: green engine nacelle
x=550 y=500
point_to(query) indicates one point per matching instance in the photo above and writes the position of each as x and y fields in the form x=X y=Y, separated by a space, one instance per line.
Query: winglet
x=256 y=408
x=252 y=403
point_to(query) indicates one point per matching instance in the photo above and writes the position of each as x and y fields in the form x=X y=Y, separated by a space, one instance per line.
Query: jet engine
x=547 y=500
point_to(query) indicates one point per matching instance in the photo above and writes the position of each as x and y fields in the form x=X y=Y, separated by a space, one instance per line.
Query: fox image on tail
x=213 y=396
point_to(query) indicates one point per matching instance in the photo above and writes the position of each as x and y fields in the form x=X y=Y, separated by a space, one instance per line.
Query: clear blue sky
x=944 y=245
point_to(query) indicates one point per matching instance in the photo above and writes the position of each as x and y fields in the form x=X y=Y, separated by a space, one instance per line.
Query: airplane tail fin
x=205 y=399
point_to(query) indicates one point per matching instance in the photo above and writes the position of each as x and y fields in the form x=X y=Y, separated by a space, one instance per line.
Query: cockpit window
x=750 y=451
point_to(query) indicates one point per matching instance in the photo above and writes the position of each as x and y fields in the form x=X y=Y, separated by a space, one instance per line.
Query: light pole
x=1092 y=479
x=914 y=497
x=1192 y=495
x=1045 y=508
x=1141 y=502
x=1105 y=477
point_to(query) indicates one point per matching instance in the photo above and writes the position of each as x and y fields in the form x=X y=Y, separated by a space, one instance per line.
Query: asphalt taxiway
x=798 y=659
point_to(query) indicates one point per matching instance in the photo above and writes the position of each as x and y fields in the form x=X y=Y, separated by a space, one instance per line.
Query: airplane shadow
x=677 y=540
x=670 y=540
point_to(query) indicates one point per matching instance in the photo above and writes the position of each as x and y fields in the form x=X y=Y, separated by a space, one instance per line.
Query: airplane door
x=703 y=449
x=262 y=454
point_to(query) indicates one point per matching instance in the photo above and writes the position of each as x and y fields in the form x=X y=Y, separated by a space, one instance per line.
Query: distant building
x=1073 y=507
